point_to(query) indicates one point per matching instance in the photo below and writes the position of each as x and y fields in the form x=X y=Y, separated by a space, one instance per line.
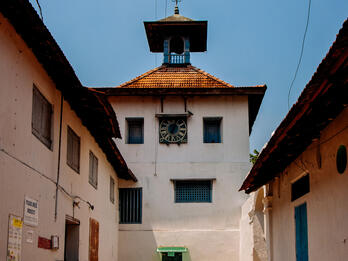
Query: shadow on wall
x=260 y=247
x=141 y=245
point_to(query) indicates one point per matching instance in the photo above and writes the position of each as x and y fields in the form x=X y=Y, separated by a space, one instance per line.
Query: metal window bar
x=193 y=191
x=130 y=201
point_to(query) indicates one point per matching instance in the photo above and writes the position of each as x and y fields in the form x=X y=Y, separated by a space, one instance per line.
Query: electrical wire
x=73 y=197
x=301 y=54
x=38 y=4
x=165 y=9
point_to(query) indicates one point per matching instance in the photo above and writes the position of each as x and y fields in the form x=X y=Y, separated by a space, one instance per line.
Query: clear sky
x=250 y=42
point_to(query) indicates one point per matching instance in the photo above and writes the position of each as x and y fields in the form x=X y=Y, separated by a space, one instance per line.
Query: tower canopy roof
x=176 y=25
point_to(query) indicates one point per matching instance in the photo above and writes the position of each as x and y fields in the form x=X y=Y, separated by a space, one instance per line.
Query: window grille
x=93 y=170
x=41 y=118
x=300 y=187
x=193 y=191
x=73 y=150
x=135 y=130
x=130 y=202
x=212 y=130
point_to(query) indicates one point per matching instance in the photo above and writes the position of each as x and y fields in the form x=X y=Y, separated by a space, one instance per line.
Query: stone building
x=303 y=168
x=186 y=138
x=59 y=167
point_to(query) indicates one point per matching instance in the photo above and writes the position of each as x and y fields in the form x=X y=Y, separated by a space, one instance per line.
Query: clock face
x=173 y=131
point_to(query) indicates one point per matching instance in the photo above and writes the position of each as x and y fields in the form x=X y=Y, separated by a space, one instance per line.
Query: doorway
x=171 y=256
x=72 y=236
x=301 y=232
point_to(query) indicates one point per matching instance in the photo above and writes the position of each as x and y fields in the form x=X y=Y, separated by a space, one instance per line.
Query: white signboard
x=14 y=244
x=31 y=212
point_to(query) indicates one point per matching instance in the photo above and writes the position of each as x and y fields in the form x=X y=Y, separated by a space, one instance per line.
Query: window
x=93 y=170
x=212 y=130
x=130 y=205
x=73 y=151
x=300 y=187
x=112 y=190
x=187 y=191
x=135 y=130
x=41 y=118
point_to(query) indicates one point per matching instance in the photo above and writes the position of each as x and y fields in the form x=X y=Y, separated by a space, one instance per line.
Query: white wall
x=326 y=202
x=23 y=157
x=209 y=230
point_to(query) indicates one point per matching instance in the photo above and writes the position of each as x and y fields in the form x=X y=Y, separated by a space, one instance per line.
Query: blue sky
x=250 y=42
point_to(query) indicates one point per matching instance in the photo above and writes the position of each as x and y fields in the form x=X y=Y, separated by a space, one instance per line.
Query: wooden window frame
x=212 y=120
x=41 y=121
x=93 y=170
x=132 y=122
x=112 y=190
x=76 y=143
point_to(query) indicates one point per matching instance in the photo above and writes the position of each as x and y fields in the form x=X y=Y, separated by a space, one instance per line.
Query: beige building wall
x=327 y=210
x=29 y=168
x=211 y=231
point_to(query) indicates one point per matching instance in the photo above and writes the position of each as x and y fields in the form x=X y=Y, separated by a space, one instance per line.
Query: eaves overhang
x=158 y=31
x=255 y=95
x=91 y=107
x=322 y=100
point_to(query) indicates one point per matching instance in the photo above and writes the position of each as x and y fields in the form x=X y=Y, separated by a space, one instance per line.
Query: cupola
x=176 y=37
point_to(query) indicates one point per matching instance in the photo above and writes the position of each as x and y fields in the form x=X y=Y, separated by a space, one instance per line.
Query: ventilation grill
x=193 y=191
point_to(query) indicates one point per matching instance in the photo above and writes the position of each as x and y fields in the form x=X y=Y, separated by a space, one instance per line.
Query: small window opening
x=73 y=150
x=93 y=170
x=177 y=45
x=135 y=130
x=41 y=123
x=187 y=191
x=130 y=202
x=212 y=130
x=341 y=159
x=300 y=187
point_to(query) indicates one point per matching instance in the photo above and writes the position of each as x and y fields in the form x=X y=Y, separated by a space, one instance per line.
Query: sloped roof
x=322 y=100
x=176 y=18
x=186 y=80
x=176 y=77
x=91 y=107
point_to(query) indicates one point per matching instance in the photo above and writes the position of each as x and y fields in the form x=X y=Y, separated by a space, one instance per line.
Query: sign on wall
x=31 y=212
x=14 y=244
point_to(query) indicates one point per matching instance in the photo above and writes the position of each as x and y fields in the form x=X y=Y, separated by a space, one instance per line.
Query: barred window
x=130 y=202
x=93 y=170
x=187 y=191
x=41 y=120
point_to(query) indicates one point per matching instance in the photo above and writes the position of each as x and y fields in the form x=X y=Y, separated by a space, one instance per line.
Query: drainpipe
x=267 y=203
x=59 y=149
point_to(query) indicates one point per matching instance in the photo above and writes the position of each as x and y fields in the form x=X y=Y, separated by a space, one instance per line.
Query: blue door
x=301 y=233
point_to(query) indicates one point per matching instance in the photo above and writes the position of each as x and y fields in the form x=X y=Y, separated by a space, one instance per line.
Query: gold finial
x=176 y=10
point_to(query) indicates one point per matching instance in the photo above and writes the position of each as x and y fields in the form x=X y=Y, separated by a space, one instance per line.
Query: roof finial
x=176 y=10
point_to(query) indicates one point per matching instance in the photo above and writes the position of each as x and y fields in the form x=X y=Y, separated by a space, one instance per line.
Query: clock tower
x=186 y=138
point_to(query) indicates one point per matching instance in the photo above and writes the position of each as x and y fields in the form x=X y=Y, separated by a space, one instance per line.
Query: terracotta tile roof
x=176 y=77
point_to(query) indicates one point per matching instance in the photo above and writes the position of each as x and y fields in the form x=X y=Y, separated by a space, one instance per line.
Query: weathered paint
x=326 y=202
x=210 y=231
x=23 y=157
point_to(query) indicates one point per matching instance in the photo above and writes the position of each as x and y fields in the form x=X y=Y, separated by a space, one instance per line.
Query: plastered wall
x=326 y=202
x=211 y=231
x=29 y=168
